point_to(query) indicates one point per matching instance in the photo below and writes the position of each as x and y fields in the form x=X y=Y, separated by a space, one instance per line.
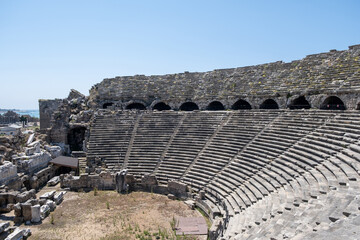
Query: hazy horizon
x=48 y=48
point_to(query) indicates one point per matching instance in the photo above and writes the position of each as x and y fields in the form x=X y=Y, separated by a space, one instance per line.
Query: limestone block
x=44 y=211
x=18 y=234
x=55 y=151
x=35 y=213
x=48 y=195
x=51 y=205
x=33 y=148
x=26 y=211
x=17 y=210
x=55 y=180
x=4 y=226
x=59 y=196
x=23 y=197
x=30 y=139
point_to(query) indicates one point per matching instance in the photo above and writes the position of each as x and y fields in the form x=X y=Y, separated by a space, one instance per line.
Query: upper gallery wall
x=314 y=78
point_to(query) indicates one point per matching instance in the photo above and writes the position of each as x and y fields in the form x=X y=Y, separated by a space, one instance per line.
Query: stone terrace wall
x=316 y=77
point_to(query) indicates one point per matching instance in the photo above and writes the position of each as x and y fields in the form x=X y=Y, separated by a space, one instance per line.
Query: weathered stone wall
x=315 y=77
x=47 y=108
x=33 y=163
x=8 y=172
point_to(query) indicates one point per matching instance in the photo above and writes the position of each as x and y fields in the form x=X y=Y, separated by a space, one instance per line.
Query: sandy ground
x=109 y=215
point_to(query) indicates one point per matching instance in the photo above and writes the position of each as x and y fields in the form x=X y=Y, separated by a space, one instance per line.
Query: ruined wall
x=47 y=108
x=315 y=77
x=8 y=172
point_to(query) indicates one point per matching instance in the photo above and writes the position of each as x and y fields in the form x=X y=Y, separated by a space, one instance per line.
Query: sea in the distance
x=32 y=112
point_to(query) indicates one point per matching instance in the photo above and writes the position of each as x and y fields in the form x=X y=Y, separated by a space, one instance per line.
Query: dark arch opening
x=161 y=106
x=215 y=106
x=106 y=105
x=269 y=104
x=189 y=106
x=358 y=106
x=139 y=106
x=333 y=103
x=241 y=104
x=300 y=103
x=76 y=137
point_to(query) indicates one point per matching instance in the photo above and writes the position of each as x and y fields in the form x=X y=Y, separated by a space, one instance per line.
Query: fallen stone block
x=52 y=182
x=59 y=196
x=51 y=205
x=48 y=195
x=4 y=226
x=17 y=210
x=26 y=211
x=17 y=234
x=44 y=211
x=35 y=212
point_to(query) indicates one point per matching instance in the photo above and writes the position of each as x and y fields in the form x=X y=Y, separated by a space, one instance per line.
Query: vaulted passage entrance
x=138 y=106
x=106 y=105
x=76 y=137
x=300 y=103
x=161 y=106
x=215 y=106
x=269 y=104
x=333 y=103
x=189 y=106
x=241 y=104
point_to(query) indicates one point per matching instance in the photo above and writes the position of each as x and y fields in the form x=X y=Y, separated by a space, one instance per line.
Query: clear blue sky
x=48 y=47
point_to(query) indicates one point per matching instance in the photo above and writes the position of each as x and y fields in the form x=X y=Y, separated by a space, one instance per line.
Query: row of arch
x=330 y=103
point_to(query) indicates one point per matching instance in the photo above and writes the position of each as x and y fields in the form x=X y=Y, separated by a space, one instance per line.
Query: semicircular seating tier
x=270 y=173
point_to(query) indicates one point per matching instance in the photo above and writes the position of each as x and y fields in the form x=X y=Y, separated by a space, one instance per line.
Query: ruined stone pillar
x=121 y=185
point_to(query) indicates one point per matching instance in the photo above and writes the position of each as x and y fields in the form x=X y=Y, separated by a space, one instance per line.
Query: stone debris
x=19 y=234
x=59 y=196
x=35 y=212
x=4 y=226
x=48 y=195
x=51 y=204
x=52 y=182
x=44 y=211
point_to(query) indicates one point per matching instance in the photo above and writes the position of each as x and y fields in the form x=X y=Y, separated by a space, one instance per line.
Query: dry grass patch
x=108 y=215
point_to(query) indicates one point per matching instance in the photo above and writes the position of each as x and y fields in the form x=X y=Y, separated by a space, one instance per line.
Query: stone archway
x=138 y=106
x=300 y=103
x=215 y=106
x=161 y=106
x=189 y=106
x=108 y=104
x=241 y=104
x=333 y=103
x=269 y=104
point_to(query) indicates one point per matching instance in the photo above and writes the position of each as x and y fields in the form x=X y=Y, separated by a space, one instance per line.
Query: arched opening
x=106 y=105
x=139 y=106
x=269 y=104
x=241 y=104
x=358 y=106
x=300 y=103
x=215 y=106
x=333 y=103
x=76 y=137
x=189 y=106
x=161 y=106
